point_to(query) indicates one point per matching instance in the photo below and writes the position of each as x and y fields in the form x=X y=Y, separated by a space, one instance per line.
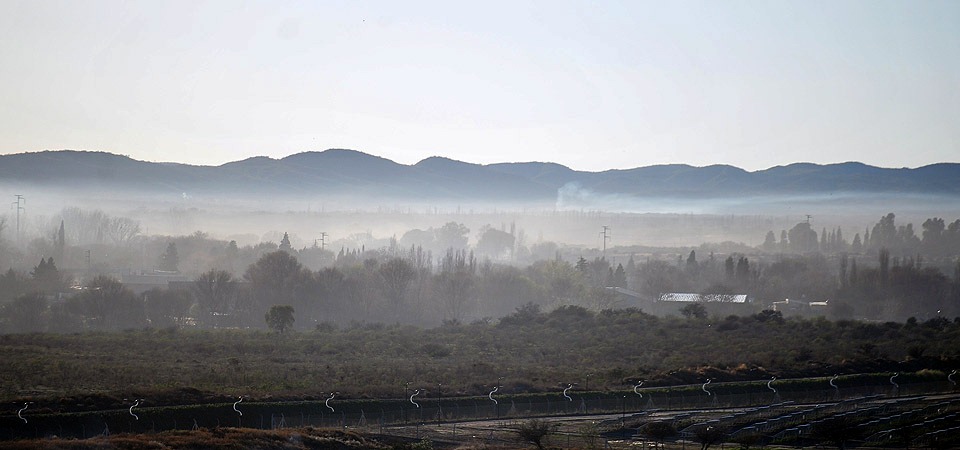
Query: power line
x=322 y=239
x=606 y=236
x=23 y=199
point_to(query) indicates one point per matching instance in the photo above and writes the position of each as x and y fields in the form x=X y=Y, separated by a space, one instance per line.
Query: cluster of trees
x=905 y=279
x=389 y=286
x=408 y=287
x=881 y=287
x=74 y=226
x=416 y=280
x=896 y=288
x=938 y=239
x=709 y=276
x=91 y=241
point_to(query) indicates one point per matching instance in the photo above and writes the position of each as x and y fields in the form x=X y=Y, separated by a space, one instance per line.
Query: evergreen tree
x=581 y=265
x=743 y=271
x=285 y=243
x=231 y=255
x=769 y=242
x=619 y=278
x=853 y=272
x=169 y=260
x=61 y=242
x=631 y=272
x=692 y=266
x=46 y=277
x=884 y=257
x=843 y=271
x=857 y=246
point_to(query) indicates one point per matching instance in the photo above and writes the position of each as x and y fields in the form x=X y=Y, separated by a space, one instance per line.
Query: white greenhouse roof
x=703 y=298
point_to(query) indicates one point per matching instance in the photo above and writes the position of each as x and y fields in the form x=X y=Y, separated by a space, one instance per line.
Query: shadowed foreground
x=228 y=438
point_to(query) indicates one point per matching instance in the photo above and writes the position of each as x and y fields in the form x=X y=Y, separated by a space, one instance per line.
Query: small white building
x=670 y=303
x=789 y=307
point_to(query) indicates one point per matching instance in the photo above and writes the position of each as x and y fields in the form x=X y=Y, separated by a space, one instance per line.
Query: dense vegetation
x=433 y=276
x=405 y=286
x=531 y=351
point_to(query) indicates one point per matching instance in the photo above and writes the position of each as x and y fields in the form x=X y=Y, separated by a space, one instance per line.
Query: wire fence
x=375 y=415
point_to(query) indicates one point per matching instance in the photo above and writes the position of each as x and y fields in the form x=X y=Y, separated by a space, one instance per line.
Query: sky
x=593 y=85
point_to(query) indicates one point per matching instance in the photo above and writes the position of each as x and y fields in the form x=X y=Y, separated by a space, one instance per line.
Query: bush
x=534 y=431
x=658 y=431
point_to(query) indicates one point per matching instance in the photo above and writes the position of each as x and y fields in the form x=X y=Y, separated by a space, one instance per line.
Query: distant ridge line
x=344 y=171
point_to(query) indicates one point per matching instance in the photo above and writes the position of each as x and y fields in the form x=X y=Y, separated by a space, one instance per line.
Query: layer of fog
x=575 y=218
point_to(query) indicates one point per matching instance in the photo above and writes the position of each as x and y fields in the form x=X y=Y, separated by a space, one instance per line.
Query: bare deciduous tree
x=108 y=304
x=121 y=230
x=215 y=292
x=396 y=276
x=534 y=431
x=455 y=284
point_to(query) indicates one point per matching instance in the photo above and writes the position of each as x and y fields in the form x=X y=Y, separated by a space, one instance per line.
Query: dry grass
x=221 y=438
x=96 y=371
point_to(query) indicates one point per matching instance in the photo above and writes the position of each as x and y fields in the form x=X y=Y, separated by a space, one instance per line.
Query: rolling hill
x=354 y=174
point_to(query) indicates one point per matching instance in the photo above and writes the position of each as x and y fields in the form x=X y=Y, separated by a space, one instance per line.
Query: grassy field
x=524 y=353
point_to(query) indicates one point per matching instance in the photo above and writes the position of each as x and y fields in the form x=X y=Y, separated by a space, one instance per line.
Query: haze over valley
x=308 y=193
x=416 y=225
x=336 y=209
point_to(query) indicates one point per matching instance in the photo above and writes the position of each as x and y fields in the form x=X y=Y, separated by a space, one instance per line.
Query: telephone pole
x=20 y=199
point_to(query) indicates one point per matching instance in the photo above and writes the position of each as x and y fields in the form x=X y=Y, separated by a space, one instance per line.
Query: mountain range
x=356 y=174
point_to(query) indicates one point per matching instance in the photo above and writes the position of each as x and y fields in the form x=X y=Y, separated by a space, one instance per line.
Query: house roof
x=703 y=298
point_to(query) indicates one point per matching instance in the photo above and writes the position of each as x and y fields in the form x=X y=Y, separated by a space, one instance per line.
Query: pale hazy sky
x=592 y=85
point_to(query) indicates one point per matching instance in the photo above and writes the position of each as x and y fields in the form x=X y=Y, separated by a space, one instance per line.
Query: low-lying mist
x=575 y=218
x=474 y=261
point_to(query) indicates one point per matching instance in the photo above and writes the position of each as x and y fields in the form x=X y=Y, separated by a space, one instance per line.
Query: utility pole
x=20 y=199
x=606 y=237
x=439 y=399
x=808 y=218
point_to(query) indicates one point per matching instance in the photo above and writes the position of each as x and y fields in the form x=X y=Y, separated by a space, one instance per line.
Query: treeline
x=375 y=286
x=407 y=286
x=92 y=240
x=937 y=239
x=410 y=281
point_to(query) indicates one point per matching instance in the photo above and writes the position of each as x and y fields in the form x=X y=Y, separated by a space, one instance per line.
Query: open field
x=527 y=352
x=82 y=385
